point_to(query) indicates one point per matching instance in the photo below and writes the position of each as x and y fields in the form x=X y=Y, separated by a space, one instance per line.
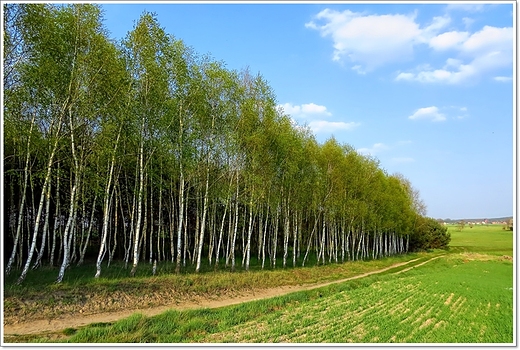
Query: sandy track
x=79 y=320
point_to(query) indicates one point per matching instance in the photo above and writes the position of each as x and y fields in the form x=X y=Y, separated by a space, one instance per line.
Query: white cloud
x=311 y=108
x=312 y=114
x=325 y=126
x=290 y=109
x=503 y=79
x=405 y=76
x=444 y=75
x=431 y=31
x=448 y=40
x=484 y=51
x=490 y=39
x=305 y=110
x=371 y=41
x=431 y=113
x=376 y=148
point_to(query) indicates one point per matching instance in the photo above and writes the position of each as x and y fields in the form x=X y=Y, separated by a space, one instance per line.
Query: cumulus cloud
x=304 y=110
x=484 y=51
x=448 y=40
x=370 y=41
x=450 y=73
x=312 y=114
x=489 y=39
x=430 y=113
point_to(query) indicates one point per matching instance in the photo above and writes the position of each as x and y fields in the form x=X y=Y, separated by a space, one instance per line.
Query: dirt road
x=79 y=320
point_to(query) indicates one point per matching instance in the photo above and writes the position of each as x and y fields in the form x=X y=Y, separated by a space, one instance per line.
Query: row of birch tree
x=143 y=151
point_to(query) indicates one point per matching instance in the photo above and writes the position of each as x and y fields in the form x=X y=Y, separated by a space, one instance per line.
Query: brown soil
x=18 y=325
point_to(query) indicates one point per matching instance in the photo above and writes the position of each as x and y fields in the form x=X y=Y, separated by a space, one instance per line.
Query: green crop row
x=446 y=301
x=465 y=296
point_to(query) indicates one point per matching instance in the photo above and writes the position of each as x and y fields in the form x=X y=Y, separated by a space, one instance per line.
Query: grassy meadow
x=464 y=296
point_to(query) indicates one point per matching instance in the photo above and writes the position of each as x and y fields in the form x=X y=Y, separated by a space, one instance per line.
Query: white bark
x=249 y=232
x=37 y=263
x=72 y=211
x=285 y=237
x=91 y=224
x=181 y=219
x=106 y=209
x=203 y=223
x=22 y=203
x=295 y=235
x=46 y=187
x=264 y=236
x=139 y=204
x=56 y=217
x=232 y=249
x=221 y=232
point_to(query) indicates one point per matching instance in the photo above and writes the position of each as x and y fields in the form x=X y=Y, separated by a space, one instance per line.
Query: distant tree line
x=143 y=150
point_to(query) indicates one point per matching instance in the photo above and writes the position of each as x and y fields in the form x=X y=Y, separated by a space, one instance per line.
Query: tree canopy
x=145 y=150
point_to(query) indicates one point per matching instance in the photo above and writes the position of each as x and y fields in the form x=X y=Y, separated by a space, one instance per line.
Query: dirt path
x=79 y=320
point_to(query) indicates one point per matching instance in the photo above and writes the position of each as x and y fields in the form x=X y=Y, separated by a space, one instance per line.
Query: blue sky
x=425 y=88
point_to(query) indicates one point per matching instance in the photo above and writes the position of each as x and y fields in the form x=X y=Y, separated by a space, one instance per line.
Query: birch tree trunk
x=286 y=236
x=22 y=203
x=233 y=240
x=203 y=223
x=181 y=220
x=275 y=237
x=37 y=263
x=117 y=203
x=139 y=204
x=46 y=187
x=249 y=231
x=264 y=240
x=310 y=240
x=72 y=208
x=151 y=223
x=221 y=232
x=106 y=209
x=295 y=235
x=91 y=223
x=57 y=217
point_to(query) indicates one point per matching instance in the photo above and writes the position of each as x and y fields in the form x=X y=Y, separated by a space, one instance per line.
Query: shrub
x=429 y=234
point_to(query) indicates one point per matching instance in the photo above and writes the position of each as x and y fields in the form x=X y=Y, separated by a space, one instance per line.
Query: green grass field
x=446 y=301
x=466 y=296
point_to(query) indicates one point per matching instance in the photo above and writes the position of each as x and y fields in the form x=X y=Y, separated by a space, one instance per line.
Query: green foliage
x=429 y=234
x=159 y=141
